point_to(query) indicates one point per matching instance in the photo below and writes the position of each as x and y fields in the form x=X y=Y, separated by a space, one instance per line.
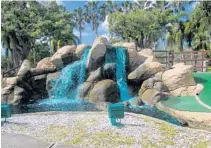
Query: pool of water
x=47 y=105
x=54 y=105
x=152 y=111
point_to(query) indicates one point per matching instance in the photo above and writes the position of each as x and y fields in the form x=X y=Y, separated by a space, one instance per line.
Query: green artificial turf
x=189 y=103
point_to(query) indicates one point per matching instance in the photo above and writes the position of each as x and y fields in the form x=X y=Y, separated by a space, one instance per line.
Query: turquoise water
x=65 y=87
x=121 y=73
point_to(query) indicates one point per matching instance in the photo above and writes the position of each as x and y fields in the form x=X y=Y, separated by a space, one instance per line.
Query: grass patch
x=19 y=128
x=168 y=130
x=149 y=144
x=201 y=145
x=109 y=139
x=55 y=133
x=74 y=141
x=166 y=142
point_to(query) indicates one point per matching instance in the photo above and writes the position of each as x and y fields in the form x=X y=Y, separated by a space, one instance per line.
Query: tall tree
x=80 y=21
x=200 y=26
x=93 y=16
x=26 y=22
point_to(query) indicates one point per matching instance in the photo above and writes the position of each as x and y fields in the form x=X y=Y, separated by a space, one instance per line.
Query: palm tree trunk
x=34 y=56
x=80 y=36
x=96 y=32
x=136 y=44
x=7 y=58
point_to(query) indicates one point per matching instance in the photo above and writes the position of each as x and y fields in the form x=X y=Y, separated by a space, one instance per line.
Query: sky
x=88 y=36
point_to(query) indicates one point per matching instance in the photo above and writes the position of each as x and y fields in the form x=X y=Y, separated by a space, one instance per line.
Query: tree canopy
x=24 y=23
x=32 y=28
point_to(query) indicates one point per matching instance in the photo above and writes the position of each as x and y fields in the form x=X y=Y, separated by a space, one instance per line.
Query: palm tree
x=80 y=21
x=126 y=6
x=92 y=11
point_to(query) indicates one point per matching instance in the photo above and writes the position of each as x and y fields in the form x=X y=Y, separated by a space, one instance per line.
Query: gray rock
x=80 y=49
x=45 y=63
x=145 y=71
x=96 y=56
x=39 y=86
x=95 y=75
x=50 y=79
x=109 y=71
x=153 y=90
x=84 y=89
x=105 y=91
x=15 y=97
x=40 y=71
x=64 y=55
x=7 y=90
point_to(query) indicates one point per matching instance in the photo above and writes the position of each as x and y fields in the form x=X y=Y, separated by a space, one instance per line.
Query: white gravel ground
x=93 y=129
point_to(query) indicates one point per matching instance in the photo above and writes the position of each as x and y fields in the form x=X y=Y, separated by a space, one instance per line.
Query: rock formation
x=152 y=80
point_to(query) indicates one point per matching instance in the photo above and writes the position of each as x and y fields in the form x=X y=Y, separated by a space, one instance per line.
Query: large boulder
x=9 y=81
x=179 y=76
x=96 y=55
x=95 y=76
x=45 y=64
x=64 y=56
x=39 y=86
x=184 y=91
x=17 y=95
x=102 y=40
x=40 y=71
x=50 y=80
x=135 y=59
x=84 y=89
x=201 y=120
x=109 y=71
x=105 y=91
x=7 y=90
x=80 y=49
x=146 y=52
x=145 y=71
x=153 y=90
x=24 y=69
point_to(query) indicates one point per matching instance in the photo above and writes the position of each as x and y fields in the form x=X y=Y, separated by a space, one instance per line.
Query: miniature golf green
x=189 y=103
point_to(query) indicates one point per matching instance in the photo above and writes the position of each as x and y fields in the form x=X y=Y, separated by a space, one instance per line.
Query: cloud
x=77 y=33
x=59 y=2
x=107 y=35
x=104 y=25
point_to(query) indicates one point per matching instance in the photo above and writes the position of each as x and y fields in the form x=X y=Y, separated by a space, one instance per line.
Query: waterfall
x=121 y=73
x=117 y=55
x=65 y=86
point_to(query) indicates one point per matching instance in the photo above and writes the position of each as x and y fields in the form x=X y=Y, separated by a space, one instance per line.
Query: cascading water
x=65 y=87
x=121 y=73
x=64 y=91
x=117 y=55
x=63 y=96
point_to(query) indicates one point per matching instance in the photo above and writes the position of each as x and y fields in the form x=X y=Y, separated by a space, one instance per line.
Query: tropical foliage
x=26 y=23
x=33 y=30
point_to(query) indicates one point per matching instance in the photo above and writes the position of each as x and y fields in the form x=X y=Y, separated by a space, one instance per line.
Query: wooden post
x=202 y=61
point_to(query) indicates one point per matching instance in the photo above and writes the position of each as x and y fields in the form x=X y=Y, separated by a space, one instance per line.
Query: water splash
x=65 y=87
x=121 y=73
x=82 y=75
